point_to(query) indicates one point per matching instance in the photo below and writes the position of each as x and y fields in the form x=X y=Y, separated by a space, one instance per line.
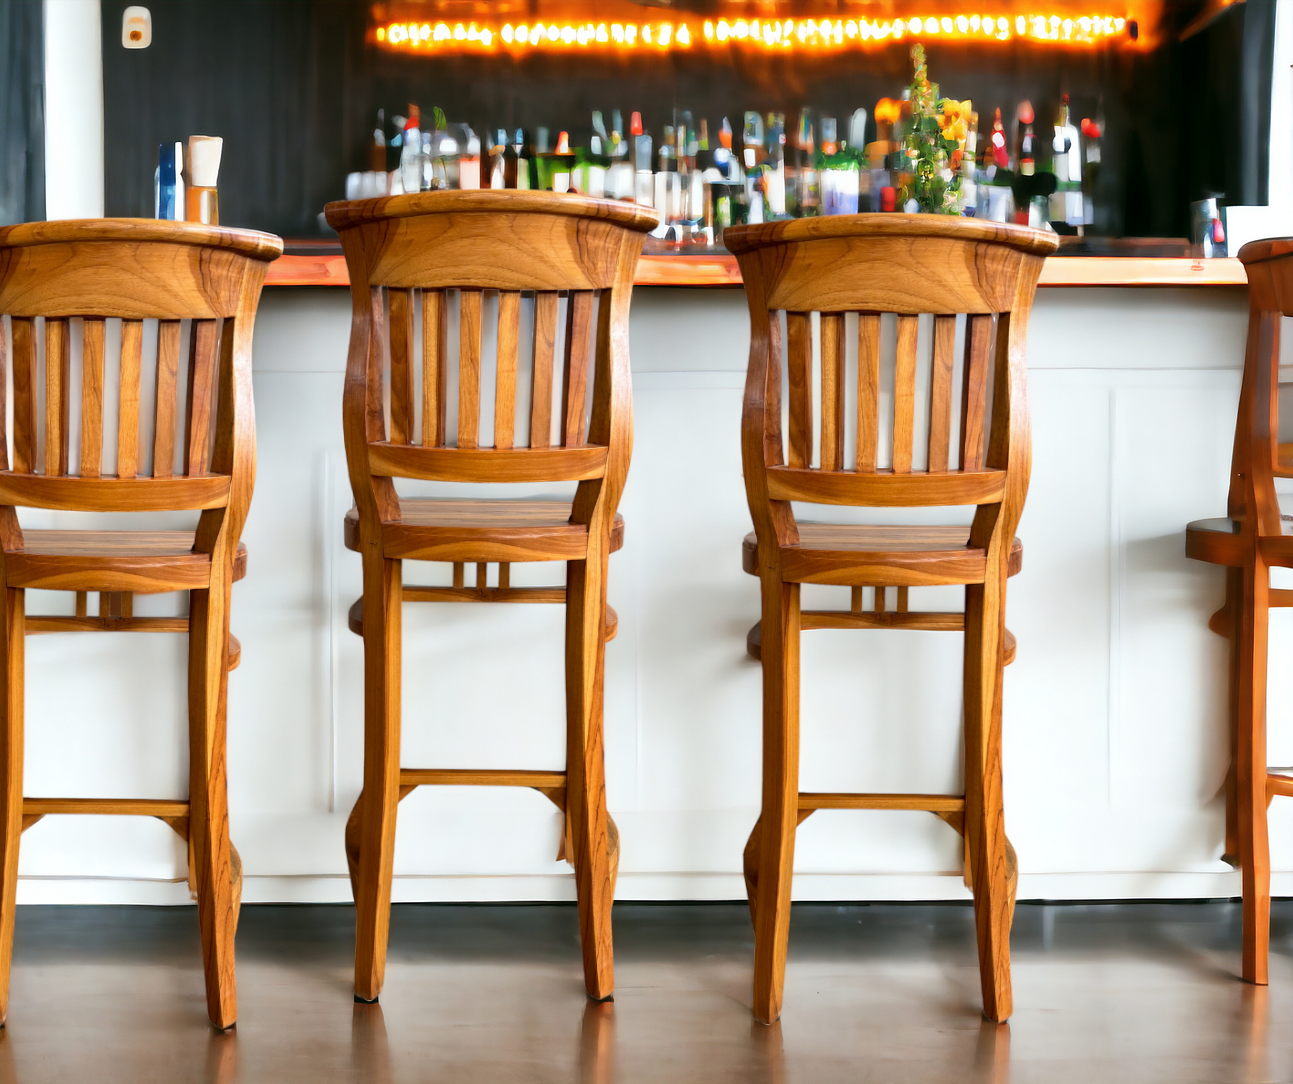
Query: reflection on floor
x=886 y=992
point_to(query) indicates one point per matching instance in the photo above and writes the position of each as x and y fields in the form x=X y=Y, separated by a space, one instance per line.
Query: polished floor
x=881 y=992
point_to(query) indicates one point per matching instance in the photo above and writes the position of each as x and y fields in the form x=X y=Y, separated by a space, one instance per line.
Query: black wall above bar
x=294 y=89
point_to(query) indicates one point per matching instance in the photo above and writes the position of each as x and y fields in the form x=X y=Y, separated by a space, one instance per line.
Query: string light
x=768 y=35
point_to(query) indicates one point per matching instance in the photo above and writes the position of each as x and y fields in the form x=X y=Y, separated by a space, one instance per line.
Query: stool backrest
x=94 y=283
x=861 y=268
x=480 y=254
x=1258 y=457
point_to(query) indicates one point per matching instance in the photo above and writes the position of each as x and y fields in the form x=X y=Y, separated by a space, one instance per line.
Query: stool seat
x=879 y=555
x=483 y=531
x=141 y=561
x=1217 y=541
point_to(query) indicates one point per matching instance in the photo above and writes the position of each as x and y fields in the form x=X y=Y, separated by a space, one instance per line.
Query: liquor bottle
x=411 y=152
x=522 y=177
x=619 y=174
x=725 y=160
x=807 y=183
x=377 y=149
x=668 y=189
x=555 y=167
x=640 y=159
x=752 y=141
x=839 y=173
x=774 y=185
x=498 y=160
x=1066 y=200
x=1026 y=144
x=1000 y=152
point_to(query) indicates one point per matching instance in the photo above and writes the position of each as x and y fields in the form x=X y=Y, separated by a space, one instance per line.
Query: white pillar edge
x=73 y=109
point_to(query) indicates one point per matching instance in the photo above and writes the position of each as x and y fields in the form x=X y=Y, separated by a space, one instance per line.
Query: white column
x=73 y=109
x=1281 y=152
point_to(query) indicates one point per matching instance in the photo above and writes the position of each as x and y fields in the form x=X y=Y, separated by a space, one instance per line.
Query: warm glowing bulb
x=665 y=31
x=601 y=33
x=684 y=35
x=630 y=33
x=946 y=24
x=1021 y=25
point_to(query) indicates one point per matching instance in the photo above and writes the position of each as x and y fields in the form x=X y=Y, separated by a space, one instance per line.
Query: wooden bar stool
x=96 y=281
x=812 y=275
x=486 y=251
x=1248 y=542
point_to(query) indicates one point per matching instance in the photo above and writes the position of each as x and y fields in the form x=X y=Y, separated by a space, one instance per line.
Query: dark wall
x=294 y=89
x=22 y=112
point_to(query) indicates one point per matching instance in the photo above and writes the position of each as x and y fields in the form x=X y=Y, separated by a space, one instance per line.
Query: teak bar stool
x=871 y=265
x=94 y=281
x=428 y=251
x=1248 y=542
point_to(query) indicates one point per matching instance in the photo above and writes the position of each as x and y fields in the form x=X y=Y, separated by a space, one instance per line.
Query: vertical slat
x=58 y=375
x=24 y=394
x=435 y=331
x=92 y=398
x=168 y=366
x=940 y=392
x=509 y=327
x=832 y=391
x=974 y=390
x=799 y=368
x=879 y=599
x=574 y=378
x=868 y=390
x=457 y=573
x=132 y=343
x=82 y=603
x=902 y=600
x=504 y=575
x=545 y=339
x=482 y=574
x=904 y=394
x=4 y=406
x=855 y=600
x=469 y=369
x=401 y=366
x=204 y=341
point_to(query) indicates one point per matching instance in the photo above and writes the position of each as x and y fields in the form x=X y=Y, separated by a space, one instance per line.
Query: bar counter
x=1115 y=746
x=329 y=269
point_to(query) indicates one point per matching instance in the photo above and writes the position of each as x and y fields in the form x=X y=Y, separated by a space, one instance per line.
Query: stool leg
x=1234 y=609
x=585 y=768
x=382 y=600
x=780 y=795
x=985 y=826
x=12 y=638
x=1250 y=770
x=208 y=800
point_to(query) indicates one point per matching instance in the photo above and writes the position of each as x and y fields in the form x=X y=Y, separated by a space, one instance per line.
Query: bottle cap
x=888 y=198
x=635 y=124
x=204 y=160
x=563 y=142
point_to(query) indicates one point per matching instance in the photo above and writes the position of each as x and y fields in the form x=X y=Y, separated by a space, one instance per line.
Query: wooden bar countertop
x=719 y=269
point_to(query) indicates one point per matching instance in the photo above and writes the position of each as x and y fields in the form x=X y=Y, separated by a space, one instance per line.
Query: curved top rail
x=257 y=245
x=1268 y=248
x=346 y=213
x=742 y=239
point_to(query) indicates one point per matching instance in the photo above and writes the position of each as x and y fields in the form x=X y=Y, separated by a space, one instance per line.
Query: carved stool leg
x=383 y=597
x=585 y=770
x=780 y=795
x=1250 y=769
x=984 y=814
x=12 y=635
x=208 y=799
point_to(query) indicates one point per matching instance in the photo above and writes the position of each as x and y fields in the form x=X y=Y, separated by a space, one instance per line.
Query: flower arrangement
x=934 y=144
